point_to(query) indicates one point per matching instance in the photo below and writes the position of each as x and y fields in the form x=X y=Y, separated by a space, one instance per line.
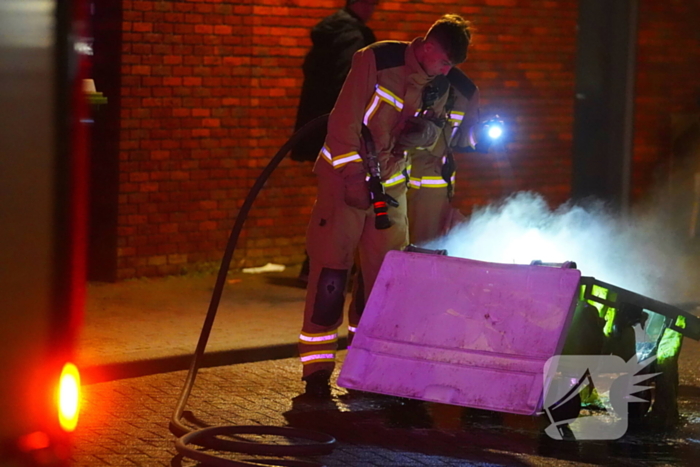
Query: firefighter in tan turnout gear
x=452 y=103
x=432 y=170
x=383 y=91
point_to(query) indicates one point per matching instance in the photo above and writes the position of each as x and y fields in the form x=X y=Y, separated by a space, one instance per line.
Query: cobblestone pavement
x=125 y=423
x=161 y=318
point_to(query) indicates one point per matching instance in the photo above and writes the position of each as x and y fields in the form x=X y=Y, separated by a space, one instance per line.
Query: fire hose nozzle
x=380 y=200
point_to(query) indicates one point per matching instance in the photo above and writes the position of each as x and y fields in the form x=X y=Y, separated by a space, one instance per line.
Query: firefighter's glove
x=357 y=192
x=418 y=132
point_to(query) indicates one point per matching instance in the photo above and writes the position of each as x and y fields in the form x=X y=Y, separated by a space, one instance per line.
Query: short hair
x=454 y=34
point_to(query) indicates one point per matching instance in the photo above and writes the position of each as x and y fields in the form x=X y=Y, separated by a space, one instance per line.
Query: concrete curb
x=134 y=369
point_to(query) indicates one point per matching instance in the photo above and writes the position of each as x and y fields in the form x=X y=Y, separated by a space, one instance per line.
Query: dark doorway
x=604 y=112
x=104 y=150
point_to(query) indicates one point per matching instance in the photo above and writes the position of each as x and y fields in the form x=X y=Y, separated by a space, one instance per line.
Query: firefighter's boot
x=318 y=384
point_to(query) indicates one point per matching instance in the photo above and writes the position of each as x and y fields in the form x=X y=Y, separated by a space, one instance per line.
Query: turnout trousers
x=429 y=212
x=335 y=234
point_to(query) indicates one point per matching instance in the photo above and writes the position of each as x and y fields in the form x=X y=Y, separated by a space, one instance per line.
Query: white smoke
x=639 y=253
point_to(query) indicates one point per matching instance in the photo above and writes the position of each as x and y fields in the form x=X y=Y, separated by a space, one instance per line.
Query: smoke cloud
x=641 y=252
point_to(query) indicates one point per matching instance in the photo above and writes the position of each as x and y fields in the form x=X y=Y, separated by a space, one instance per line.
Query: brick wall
x=668 y=82
x=209 y=94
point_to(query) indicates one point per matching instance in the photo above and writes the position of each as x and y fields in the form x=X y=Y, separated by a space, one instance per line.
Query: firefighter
x=432 y=170
x=452 y=102
x=383 y=91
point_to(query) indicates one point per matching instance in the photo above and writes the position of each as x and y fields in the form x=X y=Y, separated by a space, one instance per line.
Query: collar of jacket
x=417 y=74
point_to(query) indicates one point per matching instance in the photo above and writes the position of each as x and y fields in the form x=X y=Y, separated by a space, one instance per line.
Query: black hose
x=320 y=443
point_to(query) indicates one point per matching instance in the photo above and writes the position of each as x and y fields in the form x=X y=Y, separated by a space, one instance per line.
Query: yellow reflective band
x=339 y=161
x=433 y=182
x=326 y=333
x=321 y=338
x=327 y=154
x=389 y=97
x=314 y=357
x=395 y=179
x=381 y=94
x=414 y=182
x=352 y=328
x=456 y=117
x=371 y=109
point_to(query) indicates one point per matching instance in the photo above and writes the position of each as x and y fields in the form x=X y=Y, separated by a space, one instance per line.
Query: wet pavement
x=149 y=328
x=125 y=422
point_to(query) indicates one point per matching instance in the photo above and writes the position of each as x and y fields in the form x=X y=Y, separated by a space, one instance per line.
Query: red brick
x=200 y=132
x=209 y=102
x=204 y=29
x=192 y=81
x=141 y=70
x=223 y=29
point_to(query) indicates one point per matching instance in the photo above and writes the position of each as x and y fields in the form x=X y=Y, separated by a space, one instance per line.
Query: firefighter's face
x=435 y=61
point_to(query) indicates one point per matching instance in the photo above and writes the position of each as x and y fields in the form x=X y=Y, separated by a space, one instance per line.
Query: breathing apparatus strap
x=449 y=167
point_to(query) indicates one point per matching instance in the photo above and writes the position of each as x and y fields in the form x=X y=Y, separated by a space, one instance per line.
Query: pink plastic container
x=461 y=332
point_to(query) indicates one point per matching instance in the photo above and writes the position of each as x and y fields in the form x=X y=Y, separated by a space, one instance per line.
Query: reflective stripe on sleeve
x=456 y=117
x=352 y=329
x=339 y=161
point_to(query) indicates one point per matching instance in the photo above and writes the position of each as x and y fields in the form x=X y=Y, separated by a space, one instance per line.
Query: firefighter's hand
x=357 y=192
x=418 y=133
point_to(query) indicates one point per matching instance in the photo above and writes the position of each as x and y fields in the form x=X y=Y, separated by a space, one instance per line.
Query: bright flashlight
x=495 y=132
x=494 y=128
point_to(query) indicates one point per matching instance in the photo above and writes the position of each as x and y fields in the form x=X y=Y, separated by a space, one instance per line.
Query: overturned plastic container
x=461 y=332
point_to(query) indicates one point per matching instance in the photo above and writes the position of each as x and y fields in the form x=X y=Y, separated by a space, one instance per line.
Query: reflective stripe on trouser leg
x=331 y=242
x=323 y=313
x=322 y=347
x=318 y=338
x=319 y=356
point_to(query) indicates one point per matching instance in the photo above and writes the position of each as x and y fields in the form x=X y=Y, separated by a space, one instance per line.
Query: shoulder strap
x=461 y=82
